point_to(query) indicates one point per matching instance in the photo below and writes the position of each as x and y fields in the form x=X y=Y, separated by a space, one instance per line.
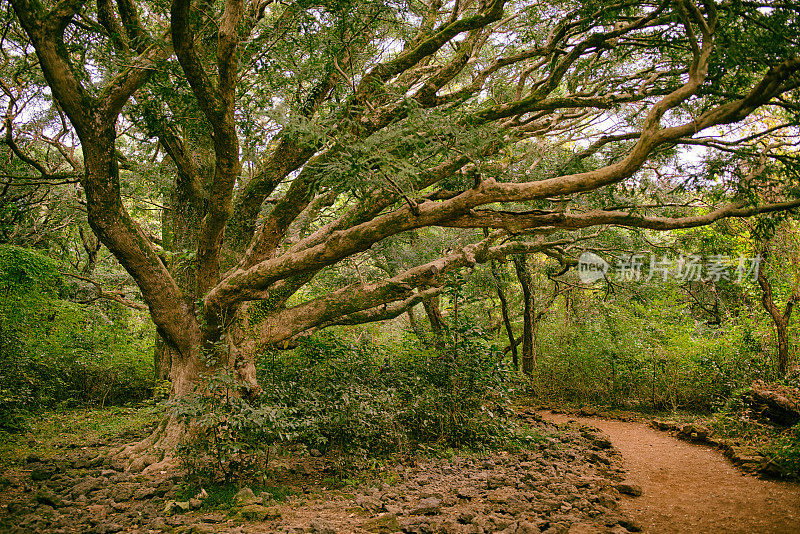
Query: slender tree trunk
x=92 y=246
x=528 y=349
x=779 y=319
x=434 y=314
x=415 y=326
x=504 y=310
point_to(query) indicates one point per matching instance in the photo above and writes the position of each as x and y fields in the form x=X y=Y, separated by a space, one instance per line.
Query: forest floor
x=691 y=487
x=569 y=478
x=560 y=481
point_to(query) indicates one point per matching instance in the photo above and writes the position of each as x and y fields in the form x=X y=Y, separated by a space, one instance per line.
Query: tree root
x=155 y=453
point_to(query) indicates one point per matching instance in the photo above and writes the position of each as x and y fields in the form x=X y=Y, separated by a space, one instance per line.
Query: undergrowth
x=355 y=399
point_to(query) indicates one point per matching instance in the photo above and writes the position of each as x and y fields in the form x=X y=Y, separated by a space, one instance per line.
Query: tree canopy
x=277 y=140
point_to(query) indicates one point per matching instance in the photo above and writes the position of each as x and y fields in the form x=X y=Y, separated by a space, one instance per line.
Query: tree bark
x=528 y=319
x=780 y=319
x=435 y=319
x=414 y=324
x=501 y=294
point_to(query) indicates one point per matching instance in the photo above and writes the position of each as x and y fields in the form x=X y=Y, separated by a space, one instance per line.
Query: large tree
x=300 y=135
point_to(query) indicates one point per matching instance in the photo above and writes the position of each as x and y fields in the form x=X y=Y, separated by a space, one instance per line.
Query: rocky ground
x=569 y=480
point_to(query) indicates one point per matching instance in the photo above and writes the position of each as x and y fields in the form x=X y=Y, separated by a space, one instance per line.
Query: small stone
x=143 y=493
x=176 y=507
x=601 y=443
x=629 y=489
x=244 y=497
x=40 y=474
x=256 y=512
x=120 y=506
x=212 y=518
x=47 y=497
x=599 y=458
x=466 y=516
x=97 y=511
x=630 y=525
x=416 y=525
x=318 y=526
x=370 y=504
x=467 y=492
x=383 y=524
x=429 y=506
x=158 y=523
x=393 y=509
x=526 y=527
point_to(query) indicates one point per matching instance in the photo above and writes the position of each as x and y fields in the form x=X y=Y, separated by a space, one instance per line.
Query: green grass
x=49 y=433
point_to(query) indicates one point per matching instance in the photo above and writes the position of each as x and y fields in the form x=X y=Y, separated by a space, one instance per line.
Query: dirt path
x=693 y=488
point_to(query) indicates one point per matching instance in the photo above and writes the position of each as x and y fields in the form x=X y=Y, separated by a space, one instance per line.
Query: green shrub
x=381 y=399
x=650 y=357
x=352 y=397
x=785 y=452
x=54 y=352
x=229 y=434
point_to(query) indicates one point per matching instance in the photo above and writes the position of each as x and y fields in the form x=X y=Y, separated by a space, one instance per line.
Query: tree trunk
x=779 y=319
x=777 y=404
x=504 y=310
x=528 y=348
x=162 y=359
x=434 y=314
x=414 y=324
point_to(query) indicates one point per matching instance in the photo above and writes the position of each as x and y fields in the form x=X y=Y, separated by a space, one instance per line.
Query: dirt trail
x=693 y=488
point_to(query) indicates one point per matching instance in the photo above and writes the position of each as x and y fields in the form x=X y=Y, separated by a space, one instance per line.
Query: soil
x=693 y=488
x=563 y=481
x=571 y=479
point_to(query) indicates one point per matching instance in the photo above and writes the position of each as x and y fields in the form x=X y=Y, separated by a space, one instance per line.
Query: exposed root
x=153 y=454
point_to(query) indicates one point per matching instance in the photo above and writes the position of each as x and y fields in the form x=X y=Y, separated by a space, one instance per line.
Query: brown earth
x=564 y=481
x=693 y=488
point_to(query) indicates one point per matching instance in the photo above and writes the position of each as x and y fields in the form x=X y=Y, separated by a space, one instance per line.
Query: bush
x=647 y=357
x=229 y=434
x=382 y=399
x=785 y=452
x=352 y=397
x=54 y=352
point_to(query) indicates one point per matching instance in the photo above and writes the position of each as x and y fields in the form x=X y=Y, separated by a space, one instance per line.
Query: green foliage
x=27 y=270
x=361 y=398
x=221 y=495
x=230 y=434
x=779 y=446
x=54 y=352
x=652 y=355
x=785 y=452
x=49 y=433
x=353 y=397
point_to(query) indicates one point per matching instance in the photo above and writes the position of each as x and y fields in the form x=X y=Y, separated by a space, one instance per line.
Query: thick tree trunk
x=179 y=234
x=776 y=403
x=528 y=319
x=162 y=359
x=501 y=294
